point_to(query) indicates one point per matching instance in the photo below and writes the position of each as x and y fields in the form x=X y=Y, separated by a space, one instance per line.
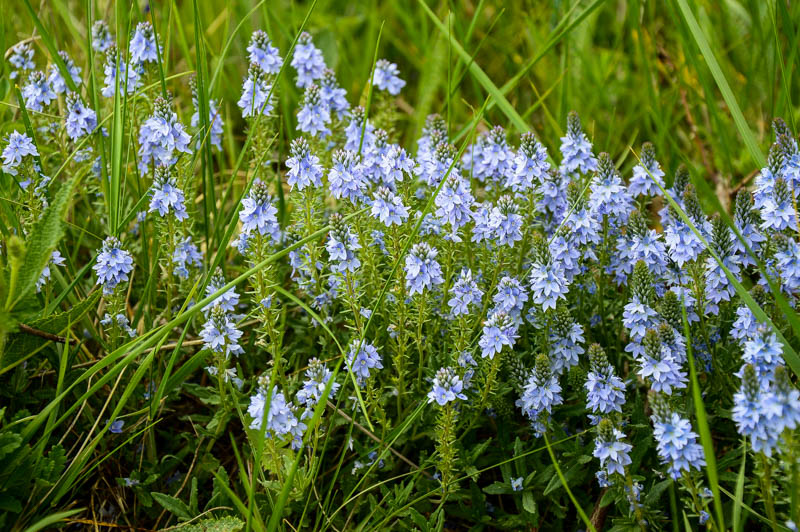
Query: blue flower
x=361 y=360
x=506 y=221
x=81 y=120
x=258 y=212
x=56 y=80
x=745 y=326
x=576 y=148
x=447 y=387
x=166 y=194
x=423 y=272
x=765 y=353
x=491 y=158
x=566 y=254
x=439 y=165
x=214 y=120
x=552 y=192
x=647 y=175
x=261 y=52
x=160 y=136
x=609 y=196
x=342 y=246
x=19 y=146
x=454 y=203
x=220 y=334
x=548 y=283
x=541 y=392
x=113 y=265
x=611 y=450
x=143 y=45
x=21 y=59
x=566 y=342
x=511 y=296
x=605 y=392
x=333 y=96
x=355 y=130
x=227 y=300
x=530 y=165
x=37 y=92
x=516 y=484
x=498 y=331
x=304 y=167
x=56 y=259
x=101 y=36
x=314 y=115
x=388 y=208
x=387 y=77
x=677 y=444
x=395 y=164
x=778 y=209
x=281 y=420
x=465 y=293
x=121 y=321
x=757 y=413
x=186 y=254
x=116 y=426
x=255 y=90
x=130 y=76
x=307 y=60
x=658 y=365
x=788 y=264
x=637 y=317
x=314 y=384
x=346 y=178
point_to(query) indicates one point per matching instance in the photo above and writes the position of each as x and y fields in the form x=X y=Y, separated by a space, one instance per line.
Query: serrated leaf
x=418 y=519
x=223 y=524
x=9 y=441
x=22 y=344
x=173 y=504
x=42 y=240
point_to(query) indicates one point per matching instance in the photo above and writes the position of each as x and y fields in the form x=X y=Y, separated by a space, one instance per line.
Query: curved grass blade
x=702 y=425
x=722 y=83
x=487 y=84
x=563 y=480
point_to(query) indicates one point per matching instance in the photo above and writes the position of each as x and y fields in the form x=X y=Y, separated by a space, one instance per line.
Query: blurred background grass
x=631 y=68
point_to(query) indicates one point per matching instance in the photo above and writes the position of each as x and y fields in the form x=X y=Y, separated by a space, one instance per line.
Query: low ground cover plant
x=333 y=327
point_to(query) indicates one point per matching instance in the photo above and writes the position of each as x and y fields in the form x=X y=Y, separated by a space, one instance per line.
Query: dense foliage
x=250 y=314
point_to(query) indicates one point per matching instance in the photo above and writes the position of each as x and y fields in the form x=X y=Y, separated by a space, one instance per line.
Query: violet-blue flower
x=113 y=265
x=307 y=60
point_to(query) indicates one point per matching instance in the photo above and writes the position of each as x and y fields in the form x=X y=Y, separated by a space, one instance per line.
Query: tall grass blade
x=741 y=124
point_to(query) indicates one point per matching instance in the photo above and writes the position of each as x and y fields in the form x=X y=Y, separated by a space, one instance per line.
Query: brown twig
x=366 y=431
x=44 y=334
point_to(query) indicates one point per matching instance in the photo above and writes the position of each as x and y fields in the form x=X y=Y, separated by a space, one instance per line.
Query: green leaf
x=21 y=345
x=52 y=519
x=702 y=425
x=51 y=47
x=741 y=124
x=495 y=93
x=172 y=504
x=42 y=240
x=223 y=524
x=528 y=502
x=497 y=488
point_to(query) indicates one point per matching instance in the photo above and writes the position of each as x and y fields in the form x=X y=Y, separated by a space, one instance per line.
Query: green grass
x=702 y=81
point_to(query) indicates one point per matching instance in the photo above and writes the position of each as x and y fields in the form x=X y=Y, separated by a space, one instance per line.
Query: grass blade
x=702 y=426
x=741 y=124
